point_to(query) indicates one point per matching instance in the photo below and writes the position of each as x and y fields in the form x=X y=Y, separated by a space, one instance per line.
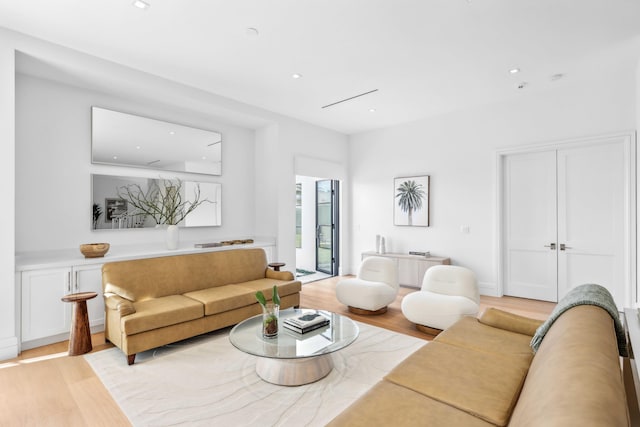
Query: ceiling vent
x=349 y=99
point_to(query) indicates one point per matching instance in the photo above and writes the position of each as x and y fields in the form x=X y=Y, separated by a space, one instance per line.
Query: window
x=298 y=215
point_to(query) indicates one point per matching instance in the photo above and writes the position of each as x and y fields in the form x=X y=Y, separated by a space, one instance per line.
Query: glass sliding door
x=327 y=226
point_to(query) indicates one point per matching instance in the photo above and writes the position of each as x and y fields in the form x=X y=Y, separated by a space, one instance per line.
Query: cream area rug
x=205 y=381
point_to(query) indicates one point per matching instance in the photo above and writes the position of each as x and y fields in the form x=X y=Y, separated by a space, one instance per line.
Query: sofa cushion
x=223 y=298
x=575 y=377
x=160 y=312
x=280 y=275
x=509 y=321
x=483 y=384
x=142 y=279
x=266 y=286
x=469 y=333
x=388 y=404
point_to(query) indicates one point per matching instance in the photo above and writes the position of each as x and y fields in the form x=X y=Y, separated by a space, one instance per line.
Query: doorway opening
x=317 y=228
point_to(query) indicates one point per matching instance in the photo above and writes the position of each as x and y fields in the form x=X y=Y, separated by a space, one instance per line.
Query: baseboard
x=488 y=289
x=8 y=348
x=28 y=345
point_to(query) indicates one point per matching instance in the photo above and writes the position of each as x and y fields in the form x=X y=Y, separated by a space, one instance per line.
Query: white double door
x=567 y=220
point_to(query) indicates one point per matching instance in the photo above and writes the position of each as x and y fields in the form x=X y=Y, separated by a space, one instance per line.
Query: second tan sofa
x=156 y=301
x=482 y=373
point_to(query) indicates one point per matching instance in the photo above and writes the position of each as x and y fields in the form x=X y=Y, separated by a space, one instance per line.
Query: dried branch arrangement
x=163 y=203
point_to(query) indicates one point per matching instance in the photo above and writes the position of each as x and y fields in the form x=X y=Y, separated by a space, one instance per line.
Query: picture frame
x=411 y=201
x=113 y=208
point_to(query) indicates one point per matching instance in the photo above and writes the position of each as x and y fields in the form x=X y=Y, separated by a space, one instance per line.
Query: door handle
x=551 y=246
x=563 y=247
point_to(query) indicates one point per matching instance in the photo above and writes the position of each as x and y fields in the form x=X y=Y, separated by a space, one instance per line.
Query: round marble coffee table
x=291 y=358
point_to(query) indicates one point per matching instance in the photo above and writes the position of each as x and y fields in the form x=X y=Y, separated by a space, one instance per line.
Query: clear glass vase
x=270 y=313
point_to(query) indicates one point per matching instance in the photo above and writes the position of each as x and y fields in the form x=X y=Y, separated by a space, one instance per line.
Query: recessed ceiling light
x=171 y=132
x=140 y=4
x=137 y=147
x=296 y=76
x=204 y=157
x=252 y=32
x=372 y=110
x=115 y=157
x=514 y=70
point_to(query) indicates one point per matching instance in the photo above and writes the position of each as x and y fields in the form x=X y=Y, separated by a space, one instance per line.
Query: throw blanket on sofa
x=589 y=294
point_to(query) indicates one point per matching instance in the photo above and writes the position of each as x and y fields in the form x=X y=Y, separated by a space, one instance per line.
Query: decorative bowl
x=94 y=250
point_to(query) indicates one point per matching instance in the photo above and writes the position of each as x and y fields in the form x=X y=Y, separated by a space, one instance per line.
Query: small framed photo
x=113 y=208
x=411 y=201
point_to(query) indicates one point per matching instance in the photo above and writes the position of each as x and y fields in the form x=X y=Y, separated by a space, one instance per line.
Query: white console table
x=411 y=268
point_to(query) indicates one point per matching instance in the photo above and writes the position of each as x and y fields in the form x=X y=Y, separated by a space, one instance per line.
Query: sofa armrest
x=279 y=275
x=116 y=302
x=509 y=321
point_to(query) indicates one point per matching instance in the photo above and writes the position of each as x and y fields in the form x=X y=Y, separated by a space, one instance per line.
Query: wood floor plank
x=64 y=390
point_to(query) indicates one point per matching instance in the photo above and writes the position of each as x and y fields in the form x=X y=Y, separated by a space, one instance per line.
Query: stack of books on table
x=420 y=253
x=305 y=322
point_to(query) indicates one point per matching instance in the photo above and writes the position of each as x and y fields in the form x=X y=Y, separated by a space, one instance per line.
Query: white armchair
x=375 y=287
x=448 y=293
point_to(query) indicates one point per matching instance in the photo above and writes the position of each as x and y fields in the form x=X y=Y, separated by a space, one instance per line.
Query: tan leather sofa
x=482 y=372
x=156 y=301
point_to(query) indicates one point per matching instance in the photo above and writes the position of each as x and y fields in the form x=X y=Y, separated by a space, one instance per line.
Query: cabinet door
x=89 y=279
x=43 y=312
x=408 y=272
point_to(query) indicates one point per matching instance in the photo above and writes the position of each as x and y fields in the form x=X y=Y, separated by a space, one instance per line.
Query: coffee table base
x=294 y=372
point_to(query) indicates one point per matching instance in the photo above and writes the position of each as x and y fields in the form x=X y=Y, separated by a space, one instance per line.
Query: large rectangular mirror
x=129 y=140
x=122 y=202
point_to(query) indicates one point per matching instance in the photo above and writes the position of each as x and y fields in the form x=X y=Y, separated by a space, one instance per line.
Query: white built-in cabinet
x=43 y=314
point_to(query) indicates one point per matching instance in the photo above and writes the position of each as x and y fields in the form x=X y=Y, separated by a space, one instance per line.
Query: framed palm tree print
x=411 y=201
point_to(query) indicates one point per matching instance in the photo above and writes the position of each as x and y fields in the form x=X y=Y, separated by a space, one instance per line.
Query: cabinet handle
x=551 y=246
x=69 y=282
x=75 y=281
x=563 y=247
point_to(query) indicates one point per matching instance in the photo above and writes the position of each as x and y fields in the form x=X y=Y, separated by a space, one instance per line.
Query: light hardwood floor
x=321 y=294
x=44 y=386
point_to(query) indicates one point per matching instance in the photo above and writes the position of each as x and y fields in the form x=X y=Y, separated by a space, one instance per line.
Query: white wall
x=458 y=151
x=53 y=140
x=290 y=140
x=8 y=340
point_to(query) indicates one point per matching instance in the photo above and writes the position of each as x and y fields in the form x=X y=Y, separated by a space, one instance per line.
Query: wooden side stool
x=80 y=338
x=276 y=265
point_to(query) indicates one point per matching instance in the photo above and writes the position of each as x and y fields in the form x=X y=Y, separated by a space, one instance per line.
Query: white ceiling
x=424 y=57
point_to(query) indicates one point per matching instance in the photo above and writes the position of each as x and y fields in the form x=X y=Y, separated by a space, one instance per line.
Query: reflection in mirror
x=124 y=139
x=111 y=210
